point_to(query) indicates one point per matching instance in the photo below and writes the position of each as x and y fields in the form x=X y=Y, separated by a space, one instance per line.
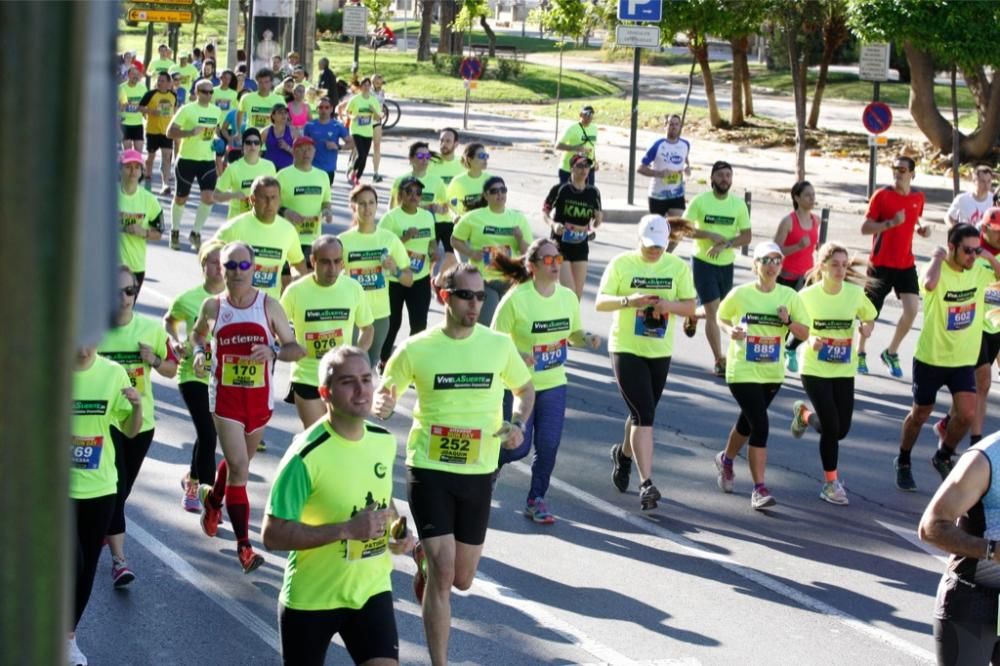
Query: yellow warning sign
x=161 y=15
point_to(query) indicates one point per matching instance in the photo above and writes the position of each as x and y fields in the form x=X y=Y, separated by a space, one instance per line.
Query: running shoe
x=377 y=178
x=419 y=578
x=73 y=654
x=862 y=363
x=262 y=446
x=649 y=495
x=621 y=469
x=121 y=575
x=249 y=560
x=834 y=493
x=538 y=512
x=165 y=190
x=941 y=427
x=175 y=240
x=690 y=326
x=148 y=185
x=720 y=368
x=210 y=515
x=891 y=361
x=191 y=502
x=761 y=498
x=725 y=477
x=791 y=360
x=194 y=238
x=904 y=476
x=800 y=422
x=943 y=465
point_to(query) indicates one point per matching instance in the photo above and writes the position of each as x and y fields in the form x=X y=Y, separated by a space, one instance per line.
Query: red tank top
x=798 y=263
x=237 y=330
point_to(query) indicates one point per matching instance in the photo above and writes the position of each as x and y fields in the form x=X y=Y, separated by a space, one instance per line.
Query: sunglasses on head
x=422 y=156
x=497 y=190
x=971 y=250
x=233 y=265
x=130 y=291
x=771 y=261
x=468 y=294
x=483 y=156
x=550 y=259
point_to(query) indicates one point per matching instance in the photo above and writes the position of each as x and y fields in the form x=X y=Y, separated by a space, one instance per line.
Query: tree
x=446 y=37
x=198 y=8
x=473 y=10
x=426 y=24
x=566 y=19
x=798 y=18
x=936 y=34
x=835 y=33
x=737 y=21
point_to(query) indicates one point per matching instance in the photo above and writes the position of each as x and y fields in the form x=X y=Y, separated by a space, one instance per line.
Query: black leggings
x=754 y=399
x=129 y=454
x=368 y=632
x=966 y=643
x=195 y=395
x=92 y=519
x=417 y=299
x=362 y=145
x=833 y=402
x=640 y=381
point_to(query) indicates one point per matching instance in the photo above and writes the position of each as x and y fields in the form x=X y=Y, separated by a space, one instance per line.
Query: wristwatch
x=624 y=301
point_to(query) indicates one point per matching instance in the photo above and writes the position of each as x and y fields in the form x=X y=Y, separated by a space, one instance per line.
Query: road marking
x=206 y=585
x=752 y=575
x=909 y=536
x=160 y=296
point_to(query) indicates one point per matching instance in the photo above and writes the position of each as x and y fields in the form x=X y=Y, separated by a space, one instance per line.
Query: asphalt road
x=702 y=580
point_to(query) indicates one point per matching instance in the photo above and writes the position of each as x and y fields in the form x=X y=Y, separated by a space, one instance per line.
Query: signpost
x=161 y=15
x=355 y=25
x=874 y=66
x=640 y=10
x=470 y=69
x=644 y=36
x=187 y=3
x=877 y=117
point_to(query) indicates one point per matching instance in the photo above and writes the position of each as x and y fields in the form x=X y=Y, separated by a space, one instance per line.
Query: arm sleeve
x=363 y=314
x=398 y=252
x=685 y=284
x=398 y=372
x=120 y=408
x=525 y=228
x=463 y=230
x=515 y=373
x=610 y=280
x=576 y=322
x=146 y=98
x=650 y=155
x=866 y=309
x=294 y=248
x=503 y=318
x=291 y=489
x=743 y=219
x=875 y=207
x=550 y=198
x=955 y=208
x=798 y=311
x=729 y=307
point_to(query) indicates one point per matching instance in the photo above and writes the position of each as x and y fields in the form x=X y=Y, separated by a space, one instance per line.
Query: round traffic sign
x=471 y=68
x=877 y=117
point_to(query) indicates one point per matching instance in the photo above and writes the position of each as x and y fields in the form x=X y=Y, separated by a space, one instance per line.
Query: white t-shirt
x=672 y=157
x=965 y=208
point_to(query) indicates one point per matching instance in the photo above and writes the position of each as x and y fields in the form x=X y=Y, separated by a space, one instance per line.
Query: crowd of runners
x=490 y=377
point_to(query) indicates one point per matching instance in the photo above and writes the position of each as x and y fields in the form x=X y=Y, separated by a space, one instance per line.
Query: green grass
x=526 y=44
x=618 y=112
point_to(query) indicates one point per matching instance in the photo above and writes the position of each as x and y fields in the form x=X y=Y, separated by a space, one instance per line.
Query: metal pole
x=873 y=151
x=406 y=20
x=824 y=224
x=634 y=125
x=465 y=116
x=748 y=200
x=955 y=137
x=148 y=53
x=232 y=34
x=357 y=54
x=555 y=139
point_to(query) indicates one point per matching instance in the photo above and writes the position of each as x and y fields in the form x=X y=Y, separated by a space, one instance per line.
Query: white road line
x=763 y=580
x=908 y=535
x=160 y=296
x=266 y=632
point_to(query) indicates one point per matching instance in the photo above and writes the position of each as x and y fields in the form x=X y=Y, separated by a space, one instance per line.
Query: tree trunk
x=426 y=22
x=835 y=33
x=980 y=87
x=490 y=35
x=797 y=66
x=936 y=127
x=824 y=67
x=197 y=22
x=446 y=18
x=747 y=92
x=738 y=46
x=699 y=49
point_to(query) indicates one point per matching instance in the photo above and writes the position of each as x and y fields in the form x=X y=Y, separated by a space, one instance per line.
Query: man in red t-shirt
x=893 y=217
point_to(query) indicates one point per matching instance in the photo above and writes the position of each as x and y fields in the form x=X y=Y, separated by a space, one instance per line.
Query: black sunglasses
x=233 y=265
x=497 y=190
x=130 y=291
x=253 y=142
x=971 y=250
x=468 y=294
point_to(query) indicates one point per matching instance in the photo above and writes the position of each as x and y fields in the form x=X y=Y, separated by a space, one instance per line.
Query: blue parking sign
x=640 y=10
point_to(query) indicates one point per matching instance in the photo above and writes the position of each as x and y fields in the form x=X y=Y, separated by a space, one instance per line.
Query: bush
x=447 y=64
x=507 y=68
x=333 y=22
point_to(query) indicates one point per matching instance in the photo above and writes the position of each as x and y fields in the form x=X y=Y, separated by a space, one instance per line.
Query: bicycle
x=391 y=114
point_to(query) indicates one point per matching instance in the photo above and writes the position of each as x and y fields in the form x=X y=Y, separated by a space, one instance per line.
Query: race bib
x=242 y=372
x=491 y=251
x=549 y=356
x=131 y=107
x=360 y=550
x=85 y=452
x=265 y=277
x=672 y=178
x=364 y=120
x=137 y=375
x=223 y=104
x=166 y=109
x=763 y=349
x=370 y=279
x=260 y=121
x=309 y=226
x=320 y=342
x=961 y=316
x=416 y=261
x=456 y=446
x=650 y=325
x=992 y=295
x=573 y=235
x=835 y=350
x=207 y=133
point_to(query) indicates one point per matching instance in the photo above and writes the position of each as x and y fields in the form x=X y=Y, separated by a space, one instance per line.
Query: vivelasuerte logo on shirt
x=328 y=314
x=307 y=189
x=831 y=324
x=490 y=230
x=550 y=326
x=959 y=296
x=364 y=255
x=762 y=319
x=266 y=252
x=85 y=407
x=463 y=380
x=652 y=283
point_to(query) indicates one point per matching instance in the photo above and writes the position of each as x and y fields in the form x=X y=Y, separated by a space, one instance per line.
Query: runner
x=833 y=304
x=378 y=91
x=103 y=397
x=326 y=312
x=757 y=315
x=327 y=132
x=573 y=212
x=797 y=235
x=542 y=317
x=414 y=226
x=194 y=386
x=195 y=125
x=225 y=96
x=163 y=64
x=464 y=190
x=158 y=106
x=371 y=254
x=893 y=217
x=130 y=94
x=298 y=110
x=489 y=229
x=579 y=139
x=961 y=520
x=237 y=180
x=338 y=576
x=305 y=195
x=251 y=333
x=459 y=371
x=971 y=207
x=723 y=223
x=187 y=71
x=434 y=197
x=255 y=108
x=447 y=165
x=137 y=343
x=667 y=163
x=273 y=238
x=139 y=214
x=644 y=288
x=277 y=138
x=363 y=111
x=954 y=289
